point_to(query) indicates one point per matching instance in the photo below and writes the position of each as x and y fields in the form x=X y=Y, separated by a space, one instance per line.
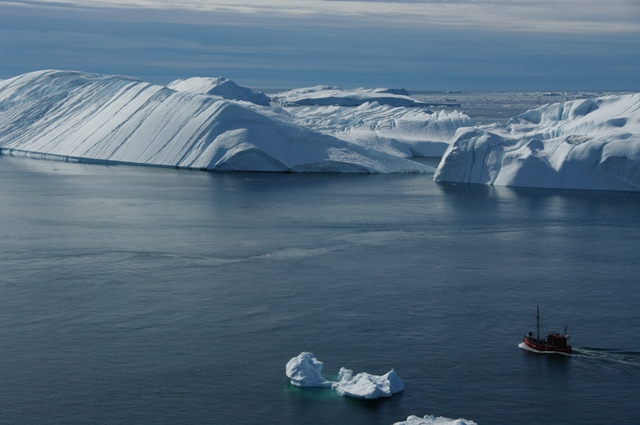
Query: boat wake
x=628 y=360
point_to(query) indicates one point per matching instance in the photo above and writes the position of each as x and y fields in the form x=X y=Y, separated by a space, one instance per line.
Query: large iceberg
x=305 y=370
x=432 y=420
x=78 y=116
x=328 y=95
x=219 y=86
x=399 y=131
x=581 y=144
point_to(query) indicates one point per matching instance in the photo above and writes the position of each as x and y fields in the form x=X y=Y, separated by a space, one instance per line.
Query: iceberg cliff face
x=96 y=118
x=582 y=144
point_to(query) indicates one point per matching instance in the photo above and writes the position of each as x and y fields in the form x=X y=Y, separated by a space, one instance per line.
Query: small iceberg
x=305 y=371
x=367 y=386
x=432 y=420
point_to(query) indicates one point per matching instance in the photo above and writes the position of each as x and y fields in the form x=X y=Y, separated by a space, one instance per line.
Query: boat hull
x=537 y=345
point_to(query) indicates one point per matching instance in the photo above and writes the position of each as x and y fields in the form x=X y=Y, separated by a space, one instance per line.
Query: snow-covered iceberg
x=399 y=131
x=367 y=386
x=219 y=86
x=401 y=91
x=328 y=95
x=305 y=370
x=432 y=420
x=78 y=116
x=581 y=144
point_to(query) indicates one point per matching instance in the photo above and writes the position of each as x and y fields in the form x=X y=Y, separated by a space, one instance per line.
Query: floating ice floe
x=305 y=371
x=432 y=420
x=219 y=86
x=581 y=144
x=327 y=95
x=76 y=116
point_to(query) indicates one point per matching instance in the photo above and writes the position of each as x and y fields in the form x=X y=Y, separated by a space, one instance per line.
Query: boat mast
x=538 y=318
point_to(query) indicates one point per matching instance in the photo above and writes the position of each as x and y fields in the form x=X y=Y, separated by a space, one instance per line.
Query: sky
x=421 y=45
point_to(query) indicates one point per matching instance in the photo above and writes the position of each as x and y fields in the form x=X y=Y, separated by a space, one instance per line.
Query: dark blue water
x=148 y=296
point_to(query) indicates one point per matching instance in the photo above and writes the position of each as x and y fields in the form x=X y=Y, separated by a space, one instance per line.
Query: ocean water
x=133 y=295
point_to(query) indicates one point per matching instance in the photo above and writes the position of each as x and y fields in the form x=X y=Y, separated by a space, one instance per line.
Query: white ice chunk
x=581 y=144
x=432 y=420
x=306 y=371
x=367 y=386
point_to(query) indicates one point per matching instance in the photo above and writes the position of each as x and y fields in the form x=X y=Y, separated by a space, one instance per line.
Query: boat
x=553 y=343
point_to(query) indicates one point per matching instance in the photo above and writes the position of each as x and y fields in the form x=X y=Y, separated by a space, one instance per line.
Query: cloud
x=548 y=16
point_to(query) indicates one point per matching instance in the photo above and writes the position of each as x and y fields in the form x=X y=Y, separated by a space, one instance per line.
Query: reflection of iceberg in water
x=305 y=371
x=432 y=420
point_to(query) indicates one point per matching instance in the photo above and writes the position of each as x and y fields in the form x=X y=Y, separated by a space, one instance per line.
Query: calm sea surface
x=149 y=296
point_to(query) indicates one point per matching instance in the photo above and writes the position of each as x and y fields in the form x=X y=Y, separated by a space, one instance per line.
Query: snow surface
x=76 y=116
x=328 y=95
x=305 y=371
x=219 y=86
x=367 y=386
x=399 y=131
x=432 y=420
x=581 y=144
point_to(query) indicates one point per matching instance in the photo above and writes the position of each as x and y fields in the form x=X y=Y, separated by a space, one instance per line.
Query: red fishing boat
x=554 y=342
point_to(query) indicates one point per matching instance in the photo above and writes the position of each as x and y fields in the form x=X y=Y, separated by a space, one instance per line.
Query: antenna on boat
x=538 y=318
